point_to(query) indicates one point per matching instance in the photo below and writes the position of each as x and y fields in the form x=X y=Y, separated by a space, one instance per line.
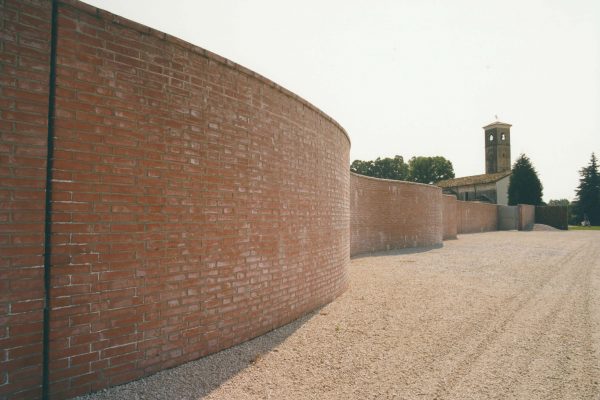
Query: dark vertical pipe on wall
x=48 y=209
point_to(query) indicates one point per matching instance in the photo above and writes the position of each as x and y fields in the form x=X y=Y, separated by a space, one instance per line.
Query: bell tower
x=497 y=147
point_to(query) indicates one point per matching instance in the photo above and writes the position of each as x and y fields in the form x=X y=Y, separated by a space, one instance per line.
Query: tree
x=419 y=169
x=559 y=203
x=429 y=169
x=362 y=167
x=386 y=168
x=573 y=219
x=524 y=186
x=588 y=193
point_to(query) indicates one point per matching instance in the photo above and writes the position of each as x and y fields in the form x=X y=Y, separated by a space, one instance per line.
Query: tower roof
x=497 y=124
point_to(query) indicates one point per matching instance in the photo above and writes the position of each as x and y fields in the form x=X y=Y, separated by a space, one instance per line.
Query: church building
x=491 y=187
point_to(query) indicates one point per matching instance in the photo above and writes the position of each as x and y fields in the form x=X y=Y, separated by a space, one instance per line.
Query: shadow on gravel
x=196 y=379
x=396 y=252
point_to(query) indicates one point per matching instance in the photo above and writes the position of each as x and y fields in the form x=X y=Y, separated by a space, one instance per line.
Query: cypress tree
x=524 y=186
x=588 y=193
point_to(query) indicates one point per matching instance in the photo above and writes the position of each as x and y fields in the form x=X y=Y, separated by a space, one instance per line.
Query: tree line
x=426 y=170
x=526 y=188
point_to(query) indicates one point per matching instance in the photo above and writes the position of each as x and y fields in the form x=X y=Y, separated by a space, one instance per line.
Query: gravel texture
x=502 y=315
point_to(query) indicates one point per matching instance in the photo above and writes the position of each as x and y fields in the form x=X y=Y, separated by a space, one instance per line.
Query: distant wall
x=508 y=218
x=387 y=214
x=526 y=217
x=502 y=191
x=555 y=216
x=449 y=216
x=477 y=217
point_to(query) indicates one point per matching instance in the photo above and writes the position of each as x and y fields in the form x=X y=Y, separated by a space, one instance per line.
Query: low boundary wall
x=508 y=218
x=526 y=217
x=555 y=216
x=476 y=217
x=387 y=214
x=449 y=216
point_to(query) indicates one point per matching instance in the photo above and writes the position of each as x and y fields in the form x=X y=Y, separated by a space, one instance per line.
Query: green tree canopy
x=419 y=169
x=387 y=168
x=429 y=169
x=559 y=203
x=588 y=193
x=524 y=186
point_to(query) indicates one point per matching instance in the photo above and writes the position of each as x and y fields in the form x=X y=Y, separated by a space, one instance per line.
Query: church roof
x=473 y=180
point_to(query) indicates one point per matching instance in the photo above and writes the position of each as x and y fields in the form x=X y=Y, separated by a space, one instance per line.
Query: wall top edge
x=116 y=19
x=483 y=203
x=396 y=182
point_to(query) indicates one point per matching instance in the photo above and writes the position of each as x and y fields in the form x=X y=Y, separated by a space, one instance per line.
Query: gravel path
x=502 y=315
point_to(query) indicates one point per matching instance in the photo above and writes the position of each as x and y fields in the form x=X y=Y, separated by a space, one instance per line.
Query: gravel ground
x=502 y=315
x=542 y=227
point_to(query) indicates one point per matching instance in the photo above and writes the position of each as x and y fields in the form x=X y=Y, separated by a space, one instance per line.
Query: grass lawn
x=584 y=228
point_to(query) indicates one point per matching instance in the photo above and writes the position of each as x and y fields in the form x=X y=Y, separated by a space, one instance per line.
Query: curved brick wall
x=196 y=205
x=476 y=217
x=388 y=214
x=449 y=215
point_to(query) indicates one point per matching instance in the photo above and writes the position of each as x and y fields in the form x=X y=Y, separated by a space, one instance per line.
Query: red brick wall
x=388 y=214
x=24 y=75
x=196 y=204
x=526 y=217
x=449 y=216
x=476 y=217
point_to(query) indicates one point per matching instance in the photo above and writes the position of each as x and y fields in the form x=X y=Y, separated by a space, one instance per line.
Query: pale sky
x=419 y=77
